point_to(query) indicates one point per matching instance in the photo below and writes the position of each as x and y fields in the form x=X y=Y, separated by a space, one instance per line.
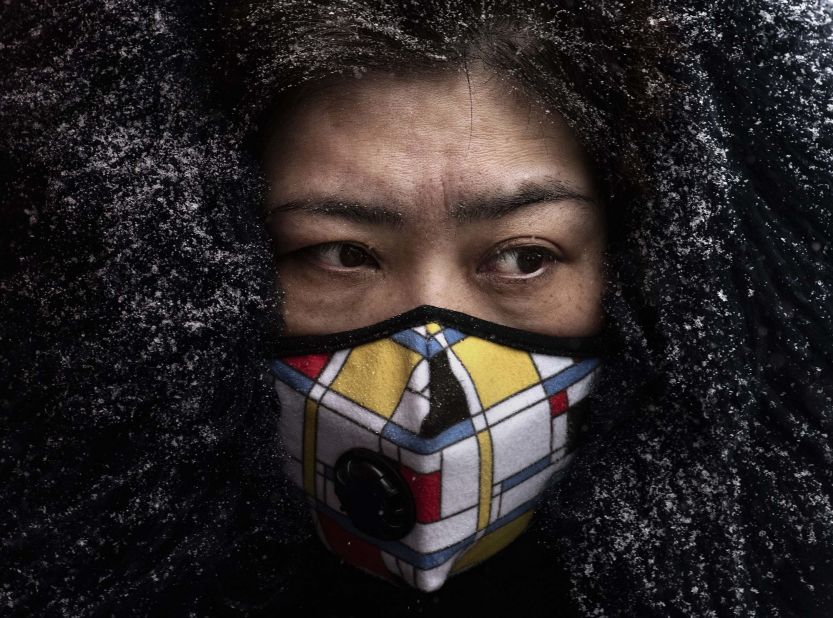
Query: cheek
x=568 y=303
x=320 y=304
x=582 y=306
x=310 y=306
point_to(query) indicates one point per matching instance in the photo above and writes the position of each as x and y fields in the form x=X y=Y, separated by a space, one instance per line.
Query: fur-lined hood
x=139 y=453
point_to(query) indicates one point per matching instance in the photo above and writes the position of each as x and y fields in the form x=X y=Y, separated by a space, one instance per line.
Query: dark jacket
x=138 y=446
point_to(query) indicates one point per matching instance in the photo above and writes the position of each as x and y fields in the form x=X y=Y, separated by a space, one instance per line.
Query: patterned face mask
x=423 y=442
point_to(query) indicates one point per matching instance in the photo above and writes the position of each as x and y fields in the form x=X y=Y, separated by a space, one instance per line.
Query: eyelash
x=315 y=252
x=548 y=256
x=332 y=246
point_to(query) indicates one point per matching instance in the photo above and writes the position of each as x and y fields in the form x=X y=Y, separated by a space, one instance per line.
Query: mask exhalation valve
x=374 y=495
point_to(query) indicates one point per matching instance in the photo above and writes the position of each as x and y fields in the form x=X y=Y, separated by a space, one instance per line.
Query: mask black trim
x=513 y=337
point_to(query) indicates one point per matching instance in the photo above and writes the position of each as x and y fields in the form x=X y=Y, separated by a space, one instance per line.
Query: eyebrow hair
x=350 y=211
x=486 y=207
x=492 y=206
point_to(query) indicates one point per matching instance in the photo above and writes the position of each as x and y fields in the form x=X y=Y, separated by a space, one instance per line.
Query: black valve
x=374 y=495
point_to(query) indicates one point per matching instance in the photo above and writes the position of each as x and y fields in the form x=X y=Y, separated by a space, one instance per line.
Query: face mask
x=423 y=442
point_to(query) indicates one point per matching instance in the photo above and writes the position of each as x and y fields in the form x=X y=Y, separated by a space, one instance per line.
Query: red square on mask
x=426 y=491
x=311 y=365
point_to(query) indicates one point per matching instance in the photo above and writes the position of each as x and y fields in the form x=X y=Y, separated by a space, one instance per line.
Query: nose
x=438 y=280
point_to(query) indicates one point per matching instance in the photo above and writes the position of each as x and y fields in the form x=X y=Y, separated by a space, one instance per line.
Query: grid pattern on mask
x=474 y=481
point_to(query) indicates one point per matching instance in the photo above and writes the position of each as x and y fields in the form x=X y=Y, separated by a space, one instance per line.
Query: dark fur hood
x=138 y=450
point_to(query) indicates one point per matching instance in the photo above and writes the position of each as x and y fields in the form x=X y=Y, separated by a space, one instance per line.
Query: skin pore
x=387 y=193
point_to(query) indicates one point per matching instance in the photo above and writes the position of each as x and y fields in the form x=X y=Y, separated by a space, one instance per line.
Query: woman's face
x=389 y=193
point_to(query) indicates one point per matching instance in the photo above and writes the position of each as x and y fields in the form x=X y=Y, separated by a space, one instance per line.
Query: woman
x=145 y=469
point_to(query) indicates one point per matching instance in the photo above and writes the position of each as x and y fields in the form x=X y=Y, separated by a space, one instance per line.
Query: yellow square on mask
x=497 y=371
x=375 y=375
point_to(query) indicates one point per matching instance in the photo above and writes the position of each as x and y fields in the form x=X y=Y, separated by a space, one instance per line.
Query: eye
x=341 y=256
x=519 y=262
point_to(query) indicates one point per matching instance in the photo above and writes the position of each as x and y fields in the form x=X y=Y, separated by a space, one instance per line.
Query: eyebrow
x=489 y=206
x=495 y=206
x=356 y=212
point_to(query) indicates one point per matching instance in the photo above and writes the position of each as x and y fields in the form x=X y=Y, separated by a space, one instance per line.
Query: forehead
x=420 y=141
